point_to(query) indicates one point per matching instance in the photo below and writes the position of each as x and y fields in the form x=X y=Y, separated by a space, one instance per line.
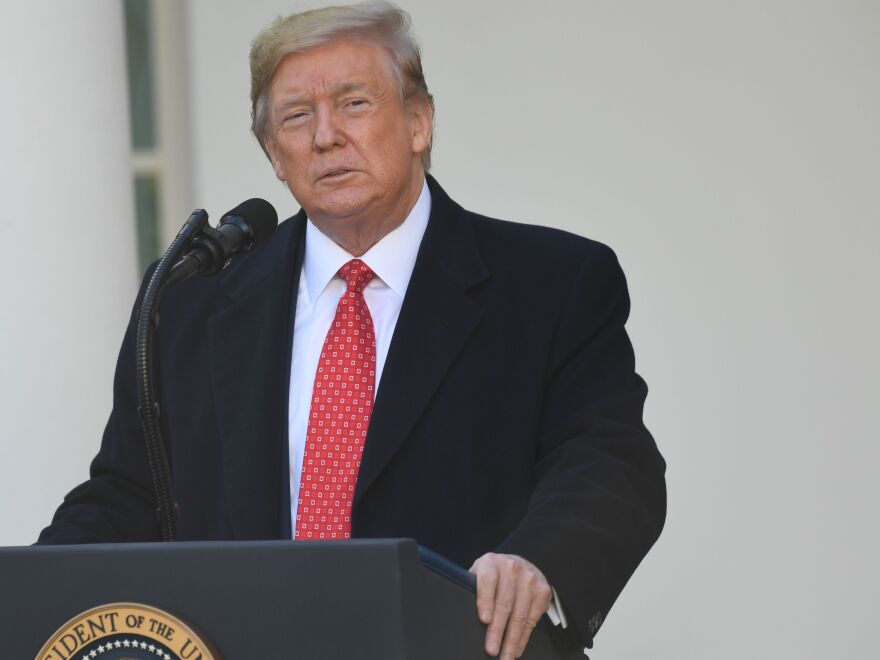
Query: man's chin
x=340 y=199
x=339 y=208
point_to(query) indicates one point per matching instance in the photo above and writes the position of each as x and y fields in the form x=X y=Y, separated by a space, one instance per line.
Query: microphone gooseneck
x=197 y=248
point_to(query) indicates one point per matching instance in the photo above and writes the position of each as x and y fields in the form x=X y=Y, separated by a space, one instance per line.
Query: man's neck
x=357 y=235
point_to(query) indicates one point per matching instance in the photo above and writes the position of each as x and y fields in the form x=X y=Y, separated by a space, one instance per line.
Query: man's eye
x=294 y=116
x=356 y=103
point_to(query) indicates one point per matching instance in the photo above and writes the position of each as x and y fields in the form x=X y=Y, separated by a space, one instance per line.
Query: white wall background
x=68 y=271
x=730 y=153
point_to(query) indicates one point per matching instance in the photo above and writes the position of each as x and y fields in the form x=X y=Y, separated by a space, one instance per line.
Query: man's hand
x=512 y=594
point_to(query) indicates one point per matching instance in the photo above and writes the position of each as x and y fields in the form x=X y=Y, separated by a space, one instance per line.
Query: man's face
x=341 y=137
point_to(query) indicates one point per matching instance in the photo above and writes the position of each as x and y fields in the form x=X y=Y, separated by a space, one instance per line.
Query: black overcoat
x=508 y=417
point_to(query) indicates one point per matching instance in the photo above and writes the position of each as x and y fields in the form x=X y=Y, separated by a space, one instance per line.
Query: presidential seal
x=125 y=631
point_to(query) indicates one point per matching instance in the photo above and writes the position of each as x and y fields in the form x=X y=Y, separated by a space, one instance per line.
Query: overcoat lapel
x=435 y=321
x=250 y=377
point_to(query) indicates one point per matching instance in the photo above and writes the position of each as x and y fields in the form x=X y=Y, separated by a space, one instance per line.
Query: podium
x=252 y=600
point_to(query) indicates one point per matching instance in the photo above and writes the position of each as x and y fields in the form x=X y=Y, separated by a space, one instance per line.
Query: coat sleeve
x=117 y=502
x=599 y=502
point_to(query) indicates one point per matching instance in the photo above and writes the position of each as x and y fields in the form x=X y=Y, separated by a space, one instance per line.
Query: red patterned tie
x=340 y=414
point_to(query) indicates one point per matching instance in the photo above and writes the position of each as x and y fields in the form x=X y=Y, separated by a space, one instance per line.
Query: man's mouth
x=335 y=174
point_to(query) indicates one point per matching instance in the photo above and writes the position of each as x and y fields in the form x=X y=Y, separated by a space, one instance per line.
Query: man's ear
x=277 y=163
x=422 y=119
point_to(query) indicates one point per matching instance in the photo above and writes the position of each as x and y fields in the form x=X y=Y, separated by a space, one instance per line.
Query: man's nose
x=328 y=133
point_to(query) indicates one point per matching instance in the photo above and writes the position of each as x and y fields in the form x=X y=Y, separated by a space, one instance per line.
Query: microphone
x=245 y=226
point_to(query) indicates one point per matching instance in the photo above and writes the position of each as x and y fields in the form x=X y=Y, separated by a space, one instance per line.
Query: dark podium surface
x=266 y=600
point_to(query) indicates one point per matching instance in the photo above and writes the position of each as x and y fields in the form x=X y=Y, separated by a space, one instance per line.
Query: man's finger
x=540 y=602
x=517 y=624
x=487 y=581
x=505 y=594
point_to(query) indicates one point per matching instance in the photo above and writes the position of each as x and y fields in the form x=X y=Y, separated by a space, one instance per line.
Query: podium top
x=387 y=599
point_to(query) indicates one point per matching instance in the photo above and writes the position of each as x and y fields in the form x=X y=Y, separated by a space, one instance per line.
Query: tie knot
x=357 y=275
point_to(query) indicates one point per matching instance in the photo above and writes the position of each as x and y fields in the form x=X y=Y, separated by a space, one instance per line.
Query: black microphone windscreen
x=259 y=214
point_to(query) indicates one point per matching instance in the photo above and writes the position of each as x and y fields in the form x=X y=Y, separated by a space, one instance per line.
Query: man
x=402 y=366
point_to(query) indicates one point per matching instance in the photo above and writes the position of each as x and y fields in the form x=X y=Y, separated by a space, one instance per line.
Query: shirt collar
x=392 y=258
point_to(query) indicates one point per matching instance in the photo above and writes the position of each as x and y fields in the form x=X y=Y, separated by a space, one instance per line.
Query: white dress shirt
x=392 y=259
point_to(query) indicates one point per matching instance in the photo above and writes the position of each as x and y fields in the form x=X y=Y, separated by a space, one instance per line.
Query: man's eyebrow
x=336 y=89
x=289 y=102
